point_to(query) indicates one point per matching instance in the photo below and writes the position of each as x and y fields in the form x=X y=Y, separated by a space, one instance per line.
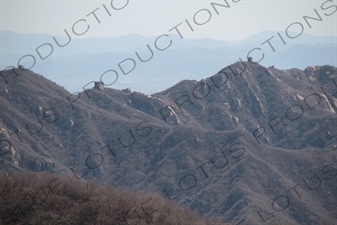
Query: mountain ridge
x=205 y=156
x=183 y=59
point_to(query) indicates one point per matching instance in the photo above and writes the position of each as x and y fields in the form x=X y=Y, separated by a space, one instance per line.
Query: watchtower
x=99 y=85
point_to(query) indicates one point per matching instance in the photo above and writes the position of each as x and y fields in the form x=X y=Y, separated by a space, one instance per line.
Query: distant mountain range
x=85 y=60
x=249 y=144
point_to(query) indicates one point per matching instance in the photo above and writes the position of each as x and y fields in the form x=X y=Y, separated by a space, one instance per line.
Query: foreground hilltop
x=42 y=198
x=248 y=144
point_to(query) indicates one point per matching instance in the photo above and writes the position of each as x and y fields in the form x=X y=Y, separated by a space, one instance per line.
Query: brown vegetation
x=43 y=198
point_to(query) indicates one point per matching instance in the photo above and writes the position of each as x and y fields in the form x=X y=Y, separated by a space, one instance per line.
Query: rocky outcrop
x=152 y=105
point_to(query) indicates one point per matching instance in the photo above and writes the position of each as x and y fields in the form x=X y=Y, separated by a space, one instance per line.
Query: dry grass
x=43 y=198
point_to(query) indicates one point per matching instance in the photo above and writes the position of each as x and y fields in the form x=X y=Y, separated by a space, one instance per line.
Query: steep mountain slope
x=254 y=147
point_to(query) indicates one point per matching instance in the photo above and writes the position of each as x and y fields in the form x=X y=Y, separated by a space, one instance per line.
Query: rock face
x=6 y=146
x=248 y=144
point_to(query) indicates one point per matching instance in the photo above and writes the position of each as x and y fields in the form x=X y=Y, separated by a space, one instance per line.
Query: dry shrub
x=43 y=198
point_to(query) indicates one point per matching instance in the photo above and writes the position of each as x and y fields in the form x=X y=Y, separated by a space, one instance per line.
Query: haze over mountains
x=85 y=60
x=250 y=144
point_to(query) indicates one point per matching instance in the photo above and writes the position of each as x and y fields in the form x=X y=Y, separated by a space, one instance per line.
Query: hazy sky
x=154 y=17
